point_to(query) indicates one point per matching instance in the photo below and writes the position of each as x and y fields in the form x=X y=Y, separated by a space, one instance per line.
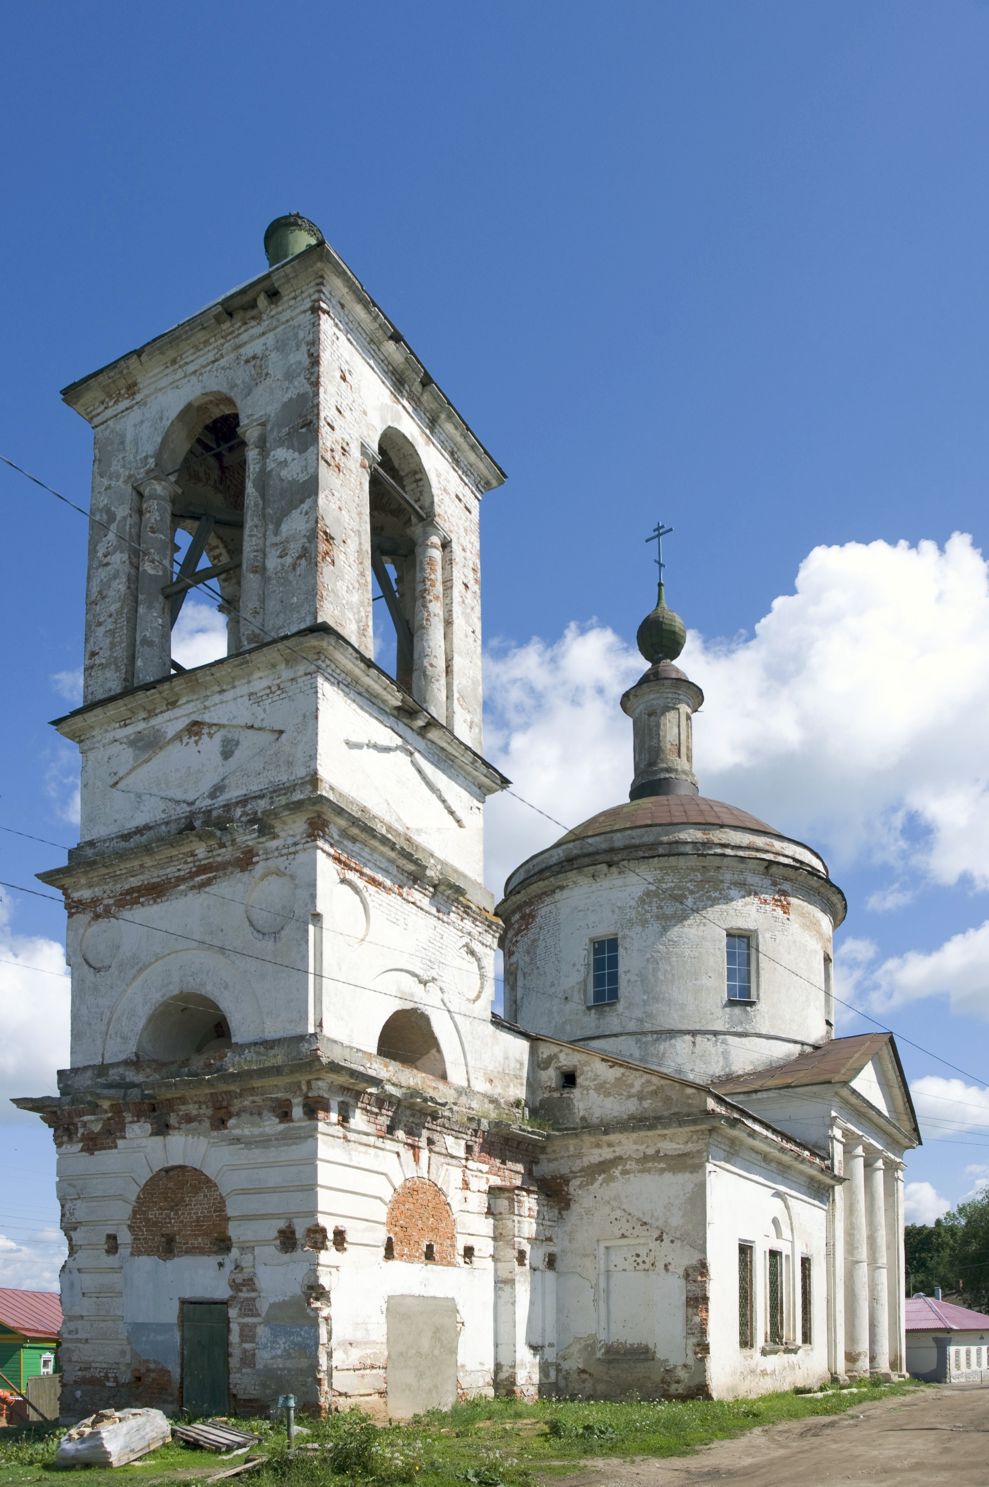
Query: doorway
x=205 y=1361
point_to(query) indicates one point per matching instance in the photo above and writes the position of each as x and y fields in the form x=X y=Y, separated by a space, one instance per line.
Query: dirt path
x=913 y=1440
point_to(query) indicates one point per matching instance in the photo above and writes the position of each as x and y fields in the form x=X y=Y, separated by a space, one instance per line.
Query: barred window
x=805 y=1300
x=738 y=967
x=968 y=1357
x=745 y=1297
x=604 y=971
x=774 y=1319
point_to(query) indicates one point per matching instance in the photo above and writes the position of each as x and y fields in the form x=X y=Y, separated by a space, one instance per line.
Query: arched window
x=408 y=1038
x=182 y=1027
x=400 y=501
x=205 y=458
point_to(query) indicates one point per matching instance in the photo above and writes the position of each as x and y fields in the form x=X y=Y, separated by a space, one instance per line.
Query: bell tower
x=280 y=863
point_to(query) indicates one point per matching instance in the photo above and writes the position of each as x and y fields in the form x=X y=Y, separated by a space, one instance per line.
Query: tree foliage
x=952 y=1253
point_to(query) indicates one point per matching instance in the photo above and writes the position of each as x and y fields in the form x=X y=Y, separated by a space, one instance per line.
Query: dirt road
x=937 y=1434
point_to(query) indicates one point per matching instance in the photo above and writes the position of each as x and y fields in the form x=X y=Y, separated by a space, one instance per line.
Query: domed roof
x=668 y=810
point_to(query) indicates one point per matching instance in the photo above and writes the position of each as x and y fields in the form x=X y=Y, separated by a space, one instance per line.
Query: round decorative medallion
x=100 y=943
x=270 y=905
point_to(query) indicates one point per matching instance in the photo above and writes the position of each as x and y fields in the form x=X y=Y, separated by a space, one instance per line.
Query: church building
x=298 y=1151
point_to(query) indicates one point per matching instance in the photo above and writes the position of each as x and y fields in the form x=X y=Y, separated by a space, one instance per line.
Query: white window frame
x=49 y=1360
x=597 y=940
x=753 y=996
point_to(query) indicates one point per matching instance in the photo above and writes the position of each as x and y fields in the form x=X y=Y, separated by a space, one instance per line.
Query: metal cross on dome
x=657 y=535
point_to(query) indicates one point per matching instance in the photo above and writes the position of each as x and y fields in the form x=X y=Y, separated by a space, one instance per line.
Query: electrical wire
x=286 y=645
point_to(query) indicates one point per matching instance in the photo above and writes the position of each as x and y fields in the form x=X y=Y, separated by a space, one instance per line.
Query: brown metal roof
x=34 y=1313
x=668 y=810
x=836 y=1062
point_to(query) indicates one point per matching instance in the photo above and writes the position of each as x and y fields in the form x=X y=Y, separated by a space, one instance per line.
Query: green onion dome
x=662 y=634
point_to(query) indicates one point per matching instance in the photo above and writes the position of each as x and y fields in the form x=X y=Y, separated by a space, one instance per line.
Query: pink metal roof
x=35 y=1313
x=924 y=1314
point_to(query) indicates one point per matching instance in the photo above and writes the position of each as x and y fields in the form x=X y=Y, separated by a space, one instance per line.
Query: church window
x=738 y=967
x=774 y=1319
x=745 y=1296
x=568 y=1079
x=604 y=971
x=805 y=1300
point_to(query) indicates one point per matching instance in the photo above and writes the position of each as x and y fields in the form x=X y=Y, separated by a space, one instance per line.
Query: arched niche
x=420 y=1224
x=204 y=458
x=184 y=975
x=182 y=1027
x=408 y=1038
x=179 y=1211
x=400 y=499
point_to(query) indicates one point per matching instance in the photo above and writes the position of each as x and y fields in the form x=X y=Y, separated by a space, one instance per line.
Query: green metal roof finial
x=662 y=634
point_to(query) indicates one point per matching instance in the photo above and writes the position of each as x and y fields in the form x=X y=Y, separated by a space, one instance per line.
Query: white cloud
x=34 y=986
x=555 y=728
x=922 y=1203
x=62 y=783
x=887 y=900
x=200 y=634
x=68 y=684
x=855 y=716
x=958 y=970
x=979 y=1172
x=950 y=1106
x=33 y=1266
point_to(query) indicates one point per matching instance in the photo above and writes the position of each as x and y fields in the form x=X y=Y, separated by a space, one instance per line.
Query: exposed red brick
x=418 y=1215
x=179 y=1211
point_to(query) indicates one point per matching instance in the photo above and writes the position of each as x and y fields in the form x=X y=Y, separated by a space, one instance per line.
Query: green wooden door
x=205 y=1376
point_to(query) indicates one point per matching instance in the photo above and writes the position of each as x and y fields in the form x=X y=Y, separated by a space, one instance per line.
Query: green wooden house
x=30 y=1323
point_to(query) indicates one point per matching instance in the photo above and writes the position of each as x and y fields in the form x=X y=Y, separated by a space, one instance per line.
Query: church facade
x=297 y=1150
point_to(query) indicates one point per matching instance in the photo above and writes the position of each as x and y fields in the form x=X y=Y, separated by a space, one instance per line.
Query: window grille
x=738 y=964
x=745 y=1298
x=968 y=1357
x=604 y=971
x=775 y=1318
x=805 y=1299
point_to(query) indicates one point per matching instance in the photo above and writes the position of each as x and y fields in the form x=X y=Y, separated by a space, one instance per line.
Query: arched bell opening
x=183 y=1027
x=206 y=463
x=400 y=500
x=408 y=1038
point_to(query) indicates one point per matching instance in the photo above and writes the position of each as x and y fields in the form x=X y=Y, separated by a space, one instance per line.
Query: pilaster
x=153 y=637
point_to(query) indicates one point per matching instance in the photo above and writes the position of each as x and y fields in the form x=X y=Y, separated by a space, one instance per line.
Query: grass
x=483 y=1443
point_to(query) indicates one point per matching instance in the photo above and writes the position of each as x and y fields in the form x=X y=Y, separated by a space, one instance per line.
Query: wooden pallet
x=215 y=1435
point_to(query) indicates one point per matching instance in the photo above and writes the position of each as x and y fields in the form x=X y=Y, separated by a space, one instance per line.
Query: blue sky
x=719 y=263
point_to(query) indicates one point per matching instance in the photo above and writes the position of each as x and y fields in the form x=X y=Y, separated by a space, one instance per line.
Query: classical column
x=856 y=1261
x=875 y=1205
x=429 y=644
x=836 y=1263
x=252 y=574
x=153 y=630
x=897 y=1267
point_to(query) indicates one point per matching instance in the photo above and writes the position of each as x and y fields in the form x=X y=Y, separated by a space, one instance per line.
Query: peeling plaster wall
x=304 y=374
x=122 y=1312
x=670 y=917
x=630 y=1274
x=305 y=1274
x=746 y=1192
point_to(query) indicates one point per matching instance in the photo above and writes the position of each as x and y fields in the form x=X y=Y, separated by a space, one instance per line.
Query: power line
x=286 y=645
